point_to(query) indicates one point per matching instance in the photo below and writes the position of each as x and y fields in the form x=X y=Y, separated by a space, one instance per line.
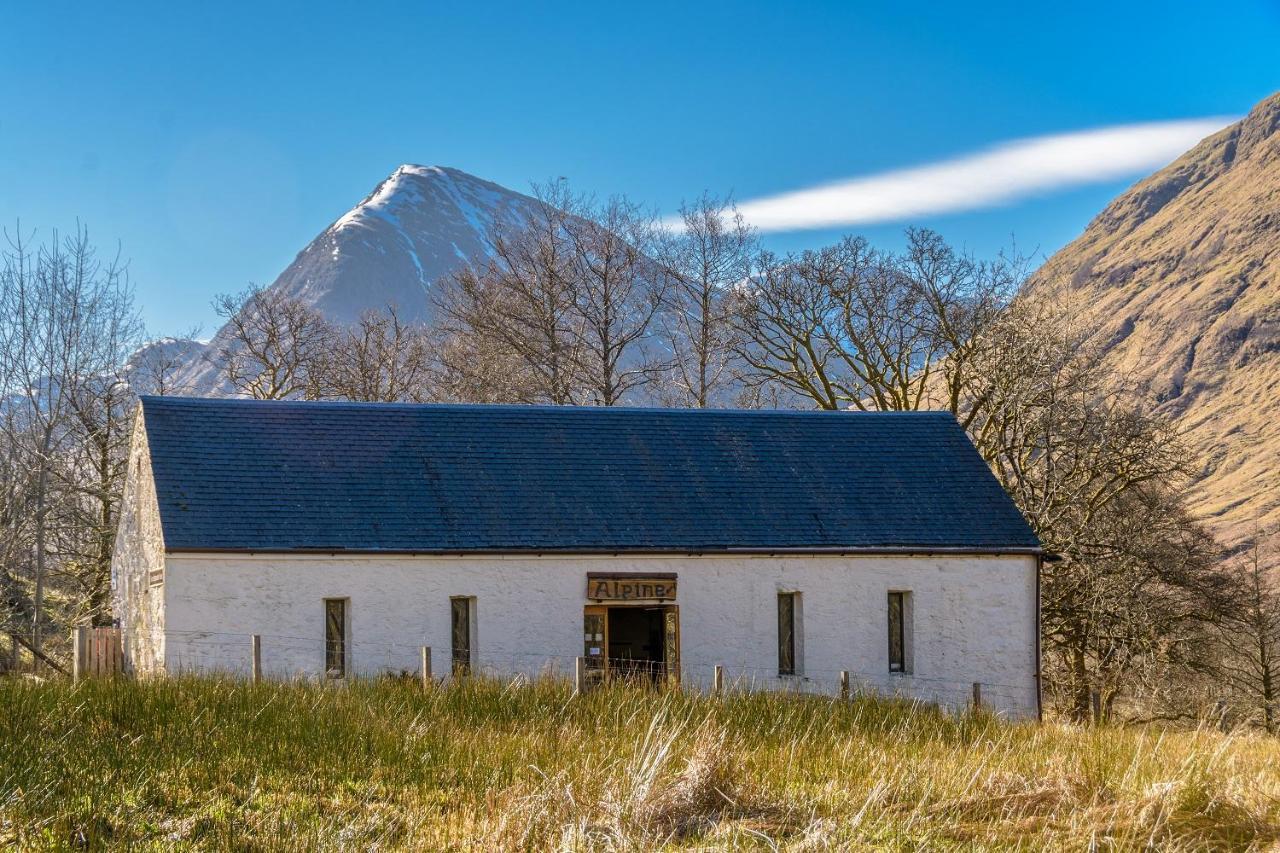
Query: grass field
x=209 y=764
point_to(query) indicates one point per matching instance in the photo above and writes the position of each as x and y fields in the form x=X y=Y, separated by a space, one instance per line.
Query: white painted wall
x=973 y=617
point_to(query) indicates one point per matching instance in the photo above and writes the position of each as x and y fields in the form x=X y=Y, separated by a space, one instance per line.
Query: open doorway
x=636 y=646
x=636 y=641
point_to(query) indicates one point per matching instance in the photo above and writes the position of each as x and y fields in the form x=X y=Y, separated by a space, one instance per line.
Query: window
x=462 y=622
x=898 y=632
x=787 y=633
x=335 y=637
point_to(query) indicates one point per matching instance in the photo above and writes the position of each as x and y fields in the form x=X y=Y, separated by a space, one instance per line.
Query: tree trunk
x=1268 y=690
x=41 y=541
x=1081 y=702
x=100 y=593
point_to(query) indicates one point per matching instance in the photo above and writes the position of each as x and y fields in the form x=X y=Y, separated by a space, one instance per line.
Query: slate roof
x=284 y=476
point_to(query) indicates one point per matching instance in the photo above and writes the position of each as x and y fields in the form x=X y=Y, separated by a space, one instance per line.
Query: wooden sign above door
x=619 y=586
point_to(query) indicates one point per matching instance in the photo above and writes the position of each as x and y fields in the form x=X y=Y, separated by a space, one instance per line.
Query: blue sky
x=214 y=141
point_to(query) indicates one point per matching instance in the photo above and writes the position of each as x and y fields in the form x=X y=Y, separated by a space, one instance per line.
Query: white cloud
x=997 y=175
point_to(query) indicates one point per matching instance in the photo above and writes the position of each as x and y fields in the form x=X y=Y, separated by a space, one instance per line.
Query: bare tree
x=708 y=259
x=274 y=341
x=1063 y=433
x=157 y=368
x=379 y=359
x=618 y=289
x=963 y=300
x=567 y=299
x=1101 y=481
x=849 y=326
x=519 y=306
x=17 y=488
x=1126 y=611
x=1247 y=641
x=468 y=368
x=92 y=481
x=67 y=323
x=785 y=322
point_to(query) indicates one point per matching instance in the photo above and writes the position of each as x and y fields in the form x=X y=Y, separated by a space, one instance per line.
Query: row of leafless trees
x=67 y=331
x=598 y=303
x=278 y=348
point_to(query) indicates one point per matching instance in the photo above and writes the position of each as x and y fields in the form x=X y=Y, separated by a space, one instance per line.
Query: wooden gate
x=96 y=652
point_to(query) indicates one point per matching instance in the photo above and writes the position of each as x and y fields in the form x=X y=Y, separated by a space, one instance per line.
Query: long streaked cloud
x=998 y=175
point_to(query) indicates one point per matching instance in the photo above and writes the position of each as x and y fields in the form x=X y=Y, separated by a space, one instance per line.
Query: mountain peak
x=412 y=187
x=416 y=226
x=436 y=171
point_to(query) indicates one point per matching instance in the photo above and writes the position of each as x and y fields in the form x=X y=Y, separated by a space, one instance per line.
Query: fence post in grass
x=579 y=675
x=255 y=644
x=1095 y=700
x=717 y=680
x=844 y=684
x=977 y=696
x=79 y=652
x=426 y=667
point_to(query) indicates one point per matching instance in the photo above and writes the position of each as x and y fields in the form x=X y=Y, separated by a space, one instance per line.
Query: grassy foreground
x=485 y=765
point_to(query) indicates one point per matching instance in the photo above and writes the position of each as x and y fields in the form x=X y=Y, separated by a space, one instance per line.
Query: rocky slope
x=1182 y=276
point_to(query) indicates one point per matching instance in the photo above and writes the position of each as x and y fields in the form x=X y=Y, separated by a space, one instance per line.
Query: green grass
x=485 y=765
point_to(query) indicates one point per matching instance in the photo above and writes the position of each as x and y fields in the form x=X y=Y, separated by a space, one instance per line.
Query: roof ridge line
x=151 y=399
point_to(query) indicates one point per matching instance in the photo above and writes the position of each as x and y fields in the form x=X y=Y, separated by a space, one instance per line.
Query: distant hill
x=1182 y=276
x=417 y=226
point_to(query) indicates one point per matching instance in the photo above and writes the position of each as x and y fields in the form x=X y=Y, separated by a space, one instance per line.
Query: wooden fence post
x=79 y=652
x=717 y=680
x=579 y=675
x=1095 y=700
x=977 y=696
x=844 y=684
x=255 y=644
x=426 y=667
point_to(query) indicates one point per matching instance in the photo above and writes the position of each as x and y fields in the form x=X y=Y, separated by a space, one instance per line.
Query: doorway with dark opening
x=637 y=647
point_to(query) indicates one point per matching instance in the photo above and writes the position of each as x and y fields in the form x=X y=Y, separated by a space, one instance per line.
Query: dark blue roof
x=269 y=475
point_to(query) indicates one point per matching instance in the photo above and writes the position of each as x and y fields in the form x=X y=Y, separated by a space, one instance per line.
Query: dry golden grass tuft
x=206 y=764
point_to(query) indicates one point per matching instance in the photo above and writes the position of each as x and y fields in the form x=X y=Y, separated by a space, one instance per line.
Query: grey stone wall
x=139 y=552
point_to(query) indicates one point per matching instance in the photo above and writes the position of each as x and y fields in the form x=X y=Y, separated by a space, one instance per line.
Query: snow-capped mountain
x=417 y=226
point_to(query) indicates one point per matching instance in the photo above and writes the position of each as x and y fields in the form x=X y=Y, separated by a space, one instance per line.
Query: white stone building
x=784 y=546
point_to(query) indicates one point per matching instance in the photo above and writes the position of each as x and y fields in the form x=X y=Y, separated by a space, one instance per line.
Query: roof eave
x=755 y=550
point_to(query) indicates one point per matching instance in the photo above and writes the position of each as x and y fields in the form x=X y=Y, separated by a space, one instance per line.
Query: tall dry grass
x=207 y=764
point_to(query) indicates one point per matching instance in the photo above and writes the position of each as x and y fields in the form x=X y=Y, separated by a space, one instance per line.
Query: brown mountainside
x=1182 y=275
